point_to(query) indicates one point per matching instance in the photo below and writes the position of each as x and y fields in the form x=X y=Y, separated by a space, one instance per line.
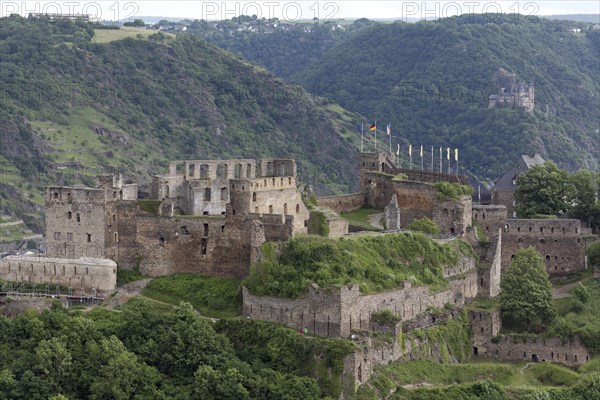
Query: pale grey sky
x=299 y=9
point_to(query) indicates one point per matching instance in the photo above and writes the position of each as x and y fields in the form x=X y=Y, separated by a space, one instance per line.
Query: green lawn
x=211 y=296
x=361 y=216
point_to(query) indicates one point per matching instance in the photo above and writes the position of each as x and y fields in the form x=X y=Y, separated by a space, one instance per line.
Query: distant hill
x=285 y=48
x=591 y=18
x=432 y=80
x=71 y=108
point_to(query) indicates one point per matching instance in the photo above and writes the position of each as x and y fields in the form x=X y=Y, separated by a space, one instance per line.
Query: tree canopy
x=526 y=291
x=548 y=190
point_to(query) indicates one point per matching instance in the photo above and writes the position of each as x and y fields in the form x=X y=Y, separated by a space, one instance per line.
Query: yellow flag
x=421 y=151
x=448 y=153
x=410 y=149
x=455 y=154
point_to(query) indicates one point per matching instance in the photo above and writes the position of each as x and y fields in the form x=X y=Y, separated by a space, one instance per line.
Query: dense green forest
x=433 y=79
x=71 y=108
x=147 y=351
x=284 y=48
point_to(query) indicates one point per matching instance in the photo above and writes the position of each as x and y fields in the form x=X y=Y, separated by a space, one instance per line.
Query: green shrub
x=385 y=317
x=581 y=293
x=151 y=206
x=576 y=306
x=425 y=225
x=317 y=224
x=451 y=191
x=593 y=253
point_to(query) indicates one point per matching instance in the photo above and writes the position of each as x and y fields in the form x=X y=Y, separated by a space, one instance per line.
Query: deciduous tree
x=526 y=292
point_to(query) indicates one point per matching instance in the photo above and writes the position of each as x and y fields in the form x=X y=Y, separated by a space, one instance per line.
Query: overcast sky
x=296 y=10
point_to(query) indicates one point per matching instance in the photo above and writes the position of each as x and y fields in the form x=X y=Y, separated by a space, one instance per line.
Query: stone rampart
x=487 y=342
x=342 y=204
x=82 y=274
x=335 y=312
x=557 y=240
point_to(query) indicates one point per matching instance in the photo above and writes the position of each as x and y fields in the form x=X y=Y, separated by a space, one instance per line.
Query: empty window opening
x=203 y=246
x=238 y=171
x=114 y=195
x=116 y=237
x=204 y=212
x=222 y=171
x=205 y=233
x=179 y=169
x=184 y=230
x=207 y=194
x=89 y=237
x=270 y=209
x=78 y=217
x=114 y=217
x=191 y=168
x=285 y=209
x=69 y=215
x=203 y=171
x=222 y=228
x=56 y=195
x=248 y=170
x=254 y=197
x=69 y=236
x=297 y=208
x=56 y=235
x=161 y=241
x=475 y=351
x=224 y=193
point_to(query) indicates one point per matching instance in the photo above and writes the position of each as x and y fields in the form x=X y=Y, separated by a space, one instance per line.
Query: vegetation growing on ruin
x=317 y=224
x=449 y=191
x=452 y=339
x=376 y=263
x=458 y=381
x=151 y=206
x=582 y=320
x=385 y=317
x=425 y=225
x=211 y=296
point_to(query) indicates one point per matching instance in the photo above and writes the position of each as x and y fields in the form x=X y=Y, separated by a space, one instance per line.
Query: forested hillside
x=286 y=49
x=433 y=80
x=71 y=108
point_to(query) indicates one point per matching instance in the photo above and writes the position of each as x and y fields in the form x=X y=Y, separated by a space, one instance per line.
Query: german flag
x=373 y=127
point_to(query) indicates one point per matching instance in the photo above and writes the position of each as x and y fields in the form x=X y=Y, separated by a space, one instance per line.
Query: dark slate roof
x=523 y=163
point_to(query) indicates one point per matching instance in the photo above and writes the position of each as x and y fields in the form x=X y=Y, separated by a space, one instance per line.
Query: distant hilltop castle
x=523 y=95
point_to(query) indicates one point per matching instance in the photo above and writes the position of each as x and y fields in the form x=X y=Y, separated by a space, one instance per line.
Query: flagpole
x=410 y=156
x=375 y=136
x=431 y=158
x=361 y=135
x=441 y=161
x=422 y=168
x=390 y=135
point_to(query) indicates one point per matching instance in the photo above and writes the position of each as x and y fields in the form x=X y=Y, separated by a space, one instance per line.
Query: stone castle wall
x=453 y=217
x=338 y=312
x=506 y=198
x=490 y=218
x=76 y=221
x=343 y=204
x=487 y=325
x=557 y=240
x=83 y=275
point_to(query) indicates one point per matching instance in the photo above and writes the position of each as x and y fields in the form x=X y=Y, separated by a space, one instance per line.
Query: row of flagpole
x=373 y=128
